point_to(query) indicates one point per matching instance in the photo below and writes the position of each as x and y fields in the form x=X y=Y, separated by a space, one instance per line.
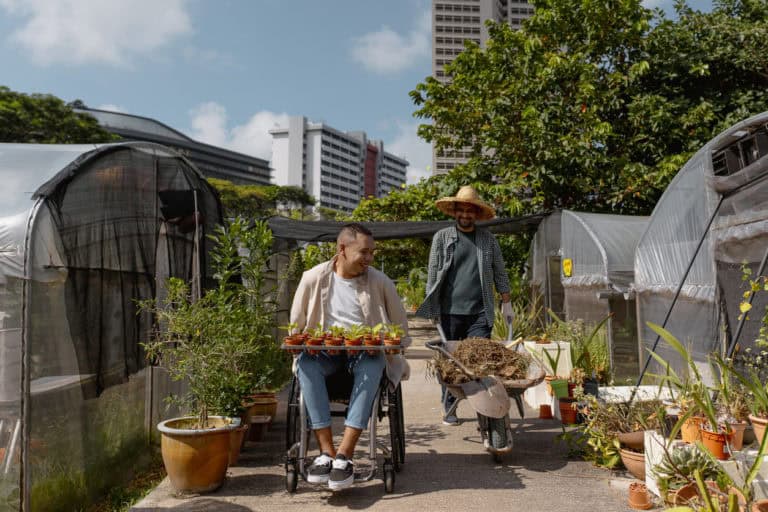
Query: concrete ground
x=446 y=468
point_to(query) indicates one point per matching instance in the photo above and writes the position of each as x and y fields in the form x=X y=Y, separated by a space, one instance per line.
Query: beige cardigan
x=378 y=299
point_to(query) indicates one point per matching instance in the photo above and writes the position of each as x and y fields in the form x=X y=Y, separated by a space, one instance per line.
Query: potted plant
x=677 y=467
x=293 y=337
x=354 y=335
x=222 y=346
x=335 y=339
x=373 y=338
x=316 y=339
x=392 y=338
x=715 y=434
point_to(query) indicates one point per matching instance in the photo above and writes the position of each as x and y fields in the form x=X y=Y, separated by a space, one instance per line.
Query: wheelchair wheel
x=389 y=478
x=291 y=480
x=292 y=418
x=396 y=428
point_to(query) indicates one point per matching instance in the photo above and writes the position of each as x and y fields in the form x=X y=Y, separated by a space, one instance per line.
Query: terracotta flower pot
x=758 y=425
x=639 y=497
x=737 y=435
x=689 y=492
x=567 y=411
x=714 y=442
x=196 y=460
x=314 y=342
x=294 y=340
x=690 y=429
x=353 y=342
x=545 y=412
x=393 y=345
x=634 y=440
x=372 y=341
x=334 y=341
x=760 y=506
x=634 y=462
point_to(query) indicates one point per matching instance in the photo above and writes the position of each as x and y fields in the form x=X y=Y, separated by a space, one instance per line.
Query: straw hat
x=466 y=194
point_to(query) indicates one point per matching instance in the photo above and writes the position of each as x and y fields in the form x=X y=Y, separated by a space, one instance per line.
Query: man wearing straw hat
x=462 y=256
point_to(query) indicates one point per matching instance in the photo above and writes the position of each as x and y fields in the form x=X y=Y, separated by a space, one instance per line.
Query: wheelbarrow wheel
x=497 y=433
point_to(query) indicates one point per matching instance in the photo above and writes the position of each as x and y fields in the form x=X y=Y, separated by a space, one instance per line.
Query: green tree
x=595 y=105
x=258 y=201
x=45 y=119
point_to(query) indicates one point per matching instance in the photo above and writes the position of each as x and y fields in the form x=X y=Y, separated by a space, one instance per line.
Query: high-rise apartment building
x=337 y=168
x=453 y=22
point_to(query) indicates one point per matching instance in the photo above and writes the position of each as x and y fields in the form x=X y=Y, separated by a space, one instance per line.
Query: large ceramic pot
x=196 y=460
x=634 y=462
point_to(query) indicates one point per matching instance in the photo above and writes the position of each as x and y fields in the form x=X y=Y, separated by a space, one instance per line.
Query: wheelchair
x=388 y=402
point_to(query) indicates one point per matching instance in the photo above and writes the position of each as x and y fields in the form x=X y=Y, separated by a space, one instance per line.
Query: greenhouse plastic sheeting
x=677 y=225
x=740 y=235
x=543 y=271
x=83 y=232
x=600 y=249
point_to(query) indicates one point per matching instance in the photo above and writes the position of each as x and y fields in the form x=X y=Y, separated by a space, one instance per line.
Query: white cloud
x=209 y=124
x=409 y=146
x=112 y=108
x=109 y=32
x=386 y=51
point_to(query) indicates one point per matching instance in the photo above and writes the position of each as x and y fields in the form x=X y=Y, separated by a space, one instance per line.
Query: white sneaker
x=320 y=470
x=342 y=473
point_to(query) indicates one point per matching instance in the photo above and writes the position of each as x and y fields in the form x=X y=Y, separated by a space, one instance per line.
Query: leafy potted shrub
x=392 y=337
x=222 y=346
x=335 y=339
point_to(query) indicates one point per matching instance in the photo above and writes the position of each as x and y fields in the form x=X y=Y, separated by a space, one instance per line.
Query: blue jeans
x=459 y=327
x=367 y=371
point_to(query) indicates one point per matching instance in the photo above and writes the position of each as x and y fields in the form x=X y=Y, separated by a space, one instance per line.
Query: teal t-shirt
x=461 y=293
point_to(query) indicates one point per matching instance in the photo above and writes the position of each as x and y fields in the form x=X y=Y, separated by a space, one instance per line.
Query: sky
x=225 y=72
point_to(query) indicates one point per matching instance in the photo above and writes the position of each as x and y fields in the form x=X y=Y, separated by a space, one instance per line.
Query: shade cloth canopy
x=326 y=231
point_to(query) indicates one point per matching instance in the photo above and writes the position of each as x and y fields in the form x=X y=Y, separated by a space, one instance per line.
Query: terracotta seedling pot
x=334 y=341
x=737 y=435
x=394 y=344
x=715 y=443
x=639 y=497
x=760 y=506
x=294 y=340
x=567 y=412
x=690 y=431
x=314 y=342
x=372 y=341
x=545 y=412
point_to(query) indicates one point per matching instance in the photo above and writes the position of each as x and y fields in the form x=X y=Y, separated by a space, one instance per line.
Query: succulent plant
x=678 y=465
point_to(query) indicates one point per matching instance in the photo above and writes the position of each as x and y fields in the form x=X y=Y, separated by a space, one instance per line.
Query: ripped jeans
x=367 y=371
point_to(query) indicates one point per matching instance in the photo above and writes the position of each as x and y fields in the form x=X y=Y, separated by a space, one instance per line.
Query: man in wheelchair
x=345 y=291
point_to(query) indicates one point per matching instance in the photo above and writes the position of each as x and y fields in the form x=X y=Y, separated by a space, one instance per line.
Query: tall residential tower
x=456 y=21
x=337 y=168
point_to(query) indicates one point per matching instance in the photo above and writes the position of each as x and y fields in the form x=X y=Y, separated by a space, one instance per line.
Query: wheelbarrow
x=489 y=396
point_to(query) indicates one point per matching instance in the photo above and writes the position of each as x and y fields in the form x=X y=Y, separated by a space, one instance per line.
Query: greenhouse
x=86 y=231
x=597 y=263
x=543 y=273
x=710 y=220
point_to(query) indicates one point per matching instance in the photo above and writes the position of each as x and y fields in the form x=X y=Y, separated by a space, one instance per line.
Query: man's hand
x=506 y=312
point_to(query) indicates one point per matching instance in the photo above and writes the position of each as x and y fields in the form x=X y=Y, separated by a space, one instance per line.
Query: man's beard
x=465 y=223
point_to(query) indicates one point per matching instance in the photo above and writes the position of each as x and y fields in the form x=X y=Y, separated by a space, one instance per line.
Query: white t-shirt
x=343 y=307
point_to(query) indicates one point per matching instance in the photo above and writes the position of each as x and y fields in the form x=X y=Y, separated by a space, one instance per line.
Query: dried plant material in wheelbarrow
x=483 y=357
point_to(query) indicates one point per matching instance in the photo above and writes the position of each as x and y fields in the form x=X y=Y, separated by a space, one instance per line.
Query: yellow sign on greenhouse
x=567 y=267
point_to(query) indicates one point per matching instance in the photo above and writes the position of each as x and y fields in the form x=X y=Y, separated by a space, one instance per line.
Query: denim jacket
x=492 y=270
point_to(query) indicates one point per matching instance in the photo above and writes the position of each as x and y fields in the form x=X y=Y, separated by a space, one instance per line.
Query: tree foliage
x=258 y=201
x=46 y=119
x=595 y=104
